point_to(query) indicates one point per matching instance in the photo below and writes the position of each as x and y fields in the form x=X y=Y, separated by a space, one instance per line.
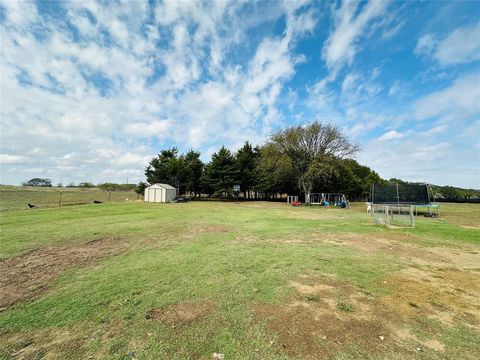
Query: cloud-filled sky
x=90 y=91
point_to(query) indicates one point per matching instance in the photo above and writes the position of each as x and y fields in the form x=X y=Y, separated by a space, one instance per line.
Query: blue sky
x=90 y=91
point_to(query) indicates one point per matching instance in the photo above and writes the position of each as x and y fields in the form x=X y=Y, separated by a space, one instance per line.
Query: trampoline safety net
x=414 y=194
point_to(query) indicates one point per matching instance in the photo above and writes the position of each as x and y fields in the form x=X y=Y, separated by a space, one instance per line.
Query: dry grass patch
x=182 y=313
x=340 y=317
x=50 y=344
x=402 y=245
x=465 y=257
x=28 y=276
x=463 y=215
x=309 y=215
x=327 y=315
x=447 y=294
x=398 y=244
x=207 y=229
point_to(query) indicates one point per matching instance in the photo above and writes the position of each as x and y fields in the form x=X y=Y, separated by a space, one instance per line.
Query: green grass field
x=251 y=281
x=16 y=198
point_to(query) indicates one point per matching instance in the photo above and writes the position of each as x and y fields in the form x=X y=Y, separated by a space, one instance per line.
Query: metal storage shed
x=160 y=193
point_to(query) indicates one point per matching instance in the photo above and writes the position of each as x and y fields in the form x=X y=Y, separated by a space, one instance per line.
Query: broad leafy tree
x=85 y=184
x=310 y=148
x=38 y=182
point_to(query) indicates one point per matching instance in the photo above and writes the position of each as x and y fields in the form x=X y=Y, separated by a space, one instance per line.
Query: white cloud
x=390 y=135
x=134 y=77
x=349 y=82
x=394 y=88
x=364 y=123
x=456 y=103
x=462 y=45
x=155 y=128
x=425 y=45
x=13 y=159
x=473 y=132
x=435 y=131
x=341 y=46
x=423 y=159
x=20 y=13
x=97 y=105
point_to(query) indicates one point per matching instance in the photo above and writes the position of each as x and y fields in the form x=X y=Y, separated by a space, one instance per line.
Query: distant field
x=254 y=280
x=17 y=197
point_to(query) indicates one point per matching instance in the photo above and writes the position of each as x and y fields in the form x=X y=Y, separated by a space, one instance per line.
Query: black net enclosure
x=414 y=194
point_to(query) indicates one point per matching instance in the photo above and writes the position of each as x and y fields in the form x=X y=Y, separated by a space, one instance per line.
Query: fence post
x=411 y=215
x=60 y=199
x=109 y=195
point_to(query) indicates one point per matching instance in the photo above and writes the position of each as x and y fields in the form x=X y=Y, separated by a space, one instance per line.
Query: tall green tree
x=274 y=173
x=191 y=171
x=165 y=168
x=364 y=177
x=246 y=160
x=221 y=173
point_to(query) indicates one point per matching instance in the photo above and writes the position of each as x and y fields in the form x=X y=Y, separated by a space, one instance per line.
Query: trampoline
x=415 y=194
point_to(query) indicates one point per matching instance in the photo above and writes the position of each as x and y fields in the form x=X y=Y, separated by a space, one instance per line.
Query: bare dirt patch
x=27 y=276
x=397 y=244
x=400 y=245
x=182 y=313
x=299 y=331
x=328 y=315
x=314 y=326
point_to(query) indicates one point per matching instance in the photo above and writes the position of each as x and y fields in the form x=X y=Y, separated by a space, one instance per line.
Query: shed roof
x=163 y=186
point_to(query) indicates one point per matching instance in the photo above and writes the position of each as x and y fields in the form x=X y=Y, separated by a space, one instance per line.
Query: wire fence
x=20 y=198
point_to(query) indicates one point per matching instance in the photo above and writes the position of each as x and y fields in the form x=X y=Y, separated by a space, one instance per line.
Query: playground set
x=322 y=199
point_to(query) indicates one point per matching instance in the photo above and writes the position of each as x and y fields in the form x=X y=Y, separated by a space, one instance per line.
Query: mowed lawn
x=253 y=280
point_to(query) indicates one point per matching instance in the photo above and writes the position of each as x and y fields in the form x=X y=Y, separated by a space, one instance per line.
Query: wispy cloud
x=456 y=103
x=107 y=77
x=460 y=46
x=90 y=90
x=349 y=25
x=390 y=135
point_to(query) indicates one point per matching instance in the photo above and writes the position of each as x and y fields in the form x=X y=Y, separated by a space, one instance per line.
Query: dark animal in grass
x=31 y=206
x=97 y=202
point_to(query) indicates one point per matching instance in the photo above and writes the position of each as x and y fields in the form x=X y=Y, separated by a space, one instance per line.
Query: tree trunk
x=307 y=188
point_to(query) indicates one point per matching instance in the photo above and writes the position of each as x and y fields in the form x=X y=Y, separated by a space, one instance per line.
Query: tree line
x=297 y=160
x=40 y=182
